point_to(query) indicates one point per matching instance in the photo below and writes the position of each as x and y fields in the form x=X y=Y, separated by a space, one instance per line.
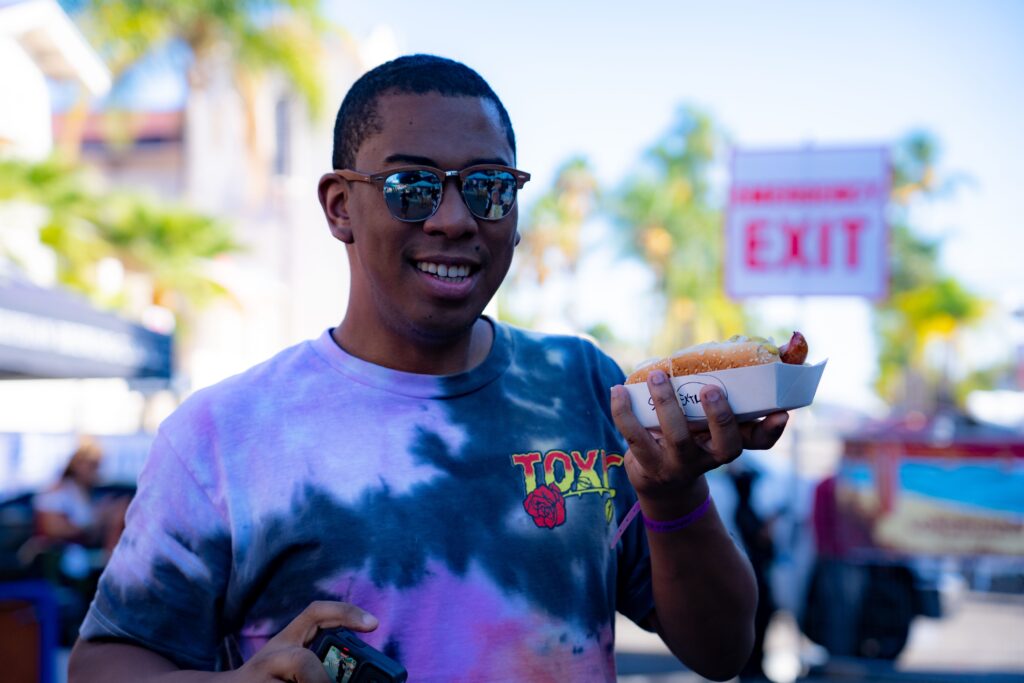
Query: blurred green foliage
x=668 y=215
x=249 y=38
x=552 y=244
x=168 y=244
x=85 y=223
x=258 y=35
x=669 y=218
x=926 y=306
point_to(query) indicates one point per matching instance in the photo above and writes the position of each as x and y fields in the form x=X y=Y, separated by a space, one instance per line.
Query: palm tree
x=926 y=307
x=166 y=246
x=85 y=223
x=670 y=220
x=256 y=37
x=552 y=236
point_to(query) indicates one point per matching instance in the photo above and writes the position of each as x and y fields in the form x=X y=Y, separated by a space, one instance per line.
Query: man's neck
x=426 y=357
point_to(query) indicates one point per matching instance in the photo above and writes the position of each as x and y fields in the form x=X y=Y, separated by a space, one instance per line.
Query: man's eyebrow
x=427 y=161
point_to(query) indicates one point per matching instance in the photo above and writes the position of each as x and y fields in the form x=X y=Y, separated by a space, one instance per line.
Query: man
x=447 y=485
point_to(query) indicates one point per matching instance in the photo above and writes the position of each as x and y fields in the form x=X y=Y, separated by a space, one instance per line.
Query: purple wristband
x=671 y=525
x=680 y=523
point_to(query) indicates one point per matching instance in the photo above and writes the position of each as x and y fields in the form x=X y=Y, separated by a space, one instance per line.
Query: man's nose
x=452 y=218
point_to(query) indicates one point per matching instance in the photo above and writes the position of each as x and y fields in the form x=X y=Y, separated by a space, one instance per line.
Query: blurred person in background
x=838 y=583
x=454 y=488
x=76 y=529
x=756 y=532
x=71 y=513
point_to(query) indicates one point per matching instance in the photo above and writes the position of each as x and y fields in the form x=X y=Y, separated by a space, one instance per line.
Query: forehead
x=449 y=131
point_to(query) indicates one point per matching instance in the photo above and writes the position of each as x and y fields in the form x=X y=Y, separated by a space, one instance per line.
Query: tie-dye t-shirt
x=471 y=513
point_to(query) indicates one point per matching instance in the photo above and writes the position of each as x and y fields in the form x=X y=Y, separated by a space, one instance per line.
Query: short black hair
x=410 y=75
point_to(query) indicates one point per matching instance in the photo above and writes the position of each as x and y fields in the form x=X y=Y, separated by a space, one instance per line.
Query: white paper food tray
x=752 y=392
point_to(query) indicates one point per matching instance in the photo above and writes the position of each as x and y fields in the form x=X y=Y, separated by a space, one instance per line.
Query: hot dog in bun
x=736 y=352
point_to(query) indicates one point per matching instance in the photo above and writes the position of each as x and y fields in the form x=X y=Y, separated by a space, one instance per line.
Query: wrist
x=681 y=503
x=668 y=526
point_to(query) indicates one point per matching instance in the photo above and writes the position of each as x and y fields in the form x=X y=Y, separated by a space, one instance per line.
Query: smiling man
x=454 y=488
x=423 y=264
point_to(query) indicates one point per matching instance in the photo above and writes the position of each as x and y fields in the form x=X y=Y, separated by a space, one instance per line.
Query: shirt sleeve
x=163 y=587
x=634 y=591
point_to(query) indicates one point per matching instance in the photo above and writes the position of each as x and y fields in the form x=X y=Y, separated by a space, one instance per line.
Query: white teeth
x=443 y=270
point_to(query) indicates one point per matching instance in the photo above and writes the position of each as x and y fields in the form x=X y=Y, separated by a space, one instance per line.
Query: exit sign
x=808 y=222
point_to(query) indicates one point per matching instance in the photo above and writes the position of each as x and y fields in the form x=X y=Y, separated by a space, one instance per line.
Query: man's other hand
x=286 y=656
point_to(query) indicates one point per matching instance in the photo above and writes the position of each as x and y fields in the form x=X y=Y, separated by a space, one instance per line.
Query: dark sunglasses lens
x=490 y=194
x=412 y=195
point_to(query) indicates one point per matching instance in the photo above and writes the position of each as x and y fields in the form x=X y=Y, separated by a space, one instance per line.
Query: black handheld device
x=347 y=659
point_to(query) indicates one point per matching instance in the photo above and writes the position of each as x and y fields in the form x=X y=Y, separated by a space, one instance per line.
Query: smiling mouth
x=444 y=272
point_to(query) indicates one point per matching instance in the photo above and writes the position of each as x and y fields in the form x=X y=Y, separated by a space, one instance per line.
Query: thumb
x=324 y=614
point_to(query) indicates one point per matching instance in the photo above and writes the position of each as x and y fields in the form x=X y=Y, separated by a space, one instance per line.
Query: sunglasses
x=413 y=193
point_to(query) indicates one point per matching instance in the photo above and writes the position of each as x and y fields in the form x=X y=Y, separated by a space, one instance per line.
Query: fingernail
x=368 y=620
x=658 y=377
x=712 y=396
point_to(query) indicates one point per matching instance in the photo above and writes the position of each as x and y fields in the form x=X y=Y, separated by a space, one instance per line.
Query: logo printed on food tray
x=688 y=393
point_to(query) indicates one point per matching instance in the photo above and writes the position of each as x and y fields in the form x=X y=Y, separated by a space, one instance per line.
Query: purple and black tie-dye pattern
x=471 y=514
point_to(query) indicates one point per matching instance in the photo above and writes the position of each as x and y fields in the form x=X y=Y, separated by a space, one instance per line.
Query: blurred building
x=38 y=43
x=291 y=280
x=288 y=284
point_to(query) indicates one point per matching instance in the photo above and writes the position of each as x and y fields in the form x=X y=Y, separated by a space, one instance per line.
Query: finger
x=296 y=664
x=763 y=434
x=671 y=418
x=640 y=441
x=726 y=441
x=324 y=614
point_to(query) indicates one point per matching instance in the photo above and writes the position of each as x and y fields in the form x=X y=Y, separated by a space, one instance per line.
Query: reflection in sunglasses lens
x=412 y=195
x=490 y=194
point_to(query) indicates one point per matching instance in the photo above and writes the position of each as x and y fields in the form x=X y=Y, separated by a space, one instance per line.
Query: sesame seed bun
x=736 y=352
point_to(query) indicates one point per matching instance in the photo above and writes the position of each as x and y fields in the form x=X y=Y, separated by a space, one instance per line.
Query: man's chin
x=442 y=330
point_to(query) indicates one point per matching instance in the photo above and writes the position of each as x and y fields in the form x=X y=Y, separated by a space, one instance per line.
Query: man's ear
x=518 y=238
x=333 y=191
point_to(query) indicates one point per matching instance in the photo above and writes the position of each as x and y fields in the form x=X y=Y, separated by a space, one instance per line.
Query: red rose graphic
x=546 y=505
